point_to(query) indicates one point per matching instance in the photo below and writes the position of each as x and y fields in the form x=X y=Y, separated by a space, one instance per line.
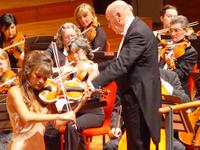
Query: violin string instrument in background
x=15 y=48
x=170 y=52
x=7 y=76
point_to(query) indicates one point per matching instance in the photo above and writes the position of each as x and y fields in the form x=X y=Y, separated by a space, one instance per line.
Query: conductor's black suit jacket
x=137 y=69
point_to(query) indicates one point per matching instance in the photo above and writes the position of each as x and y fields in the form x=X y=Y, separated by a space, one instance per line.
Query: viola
x=15 y=47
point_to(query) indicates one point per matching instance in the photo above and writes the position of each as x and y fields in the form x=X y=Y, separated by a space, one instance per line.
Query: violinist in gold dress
x=27 y=113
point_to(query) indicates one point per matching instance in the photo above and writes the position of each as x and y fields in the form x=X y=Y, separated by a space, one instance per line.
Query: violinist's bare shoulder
x=14 y=96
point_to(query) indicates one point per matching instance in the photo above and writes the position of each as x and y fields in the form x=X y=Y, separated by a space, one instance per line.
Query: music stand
x=37 y=43
x=174 y=119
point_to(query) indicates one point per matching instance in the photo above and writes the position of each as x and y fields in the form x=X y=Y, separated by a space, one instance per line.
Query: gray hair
x=180 y=19
x=80 y=43
x=58 y=36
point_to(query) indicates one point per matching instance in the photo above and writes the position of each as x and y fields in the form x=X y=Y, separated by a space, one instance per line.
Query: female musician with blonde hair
x=87 y=20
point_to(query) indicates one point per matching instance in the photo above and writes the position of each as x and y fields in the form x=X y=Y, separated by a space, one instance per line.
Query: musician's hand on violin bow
x=68 y=116
x=115 y=133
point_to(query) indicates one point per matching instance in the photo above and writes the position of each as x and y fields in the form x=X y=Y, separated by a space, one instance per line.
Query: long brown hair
x=34 y=61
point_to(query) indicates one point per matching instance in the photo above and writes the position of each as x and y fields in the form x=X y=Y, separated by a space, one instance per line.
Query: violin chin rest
x=60 y=104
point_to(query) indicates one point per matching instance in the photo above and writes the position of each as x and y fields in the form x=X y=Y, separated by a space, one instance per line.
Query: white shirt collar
x=65 y=51
x=127 y=25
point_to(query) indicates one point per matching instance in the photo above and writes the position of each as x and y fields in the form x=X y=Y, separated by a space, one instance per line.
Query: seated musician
x=65 y=33
x=180 y=56
x=80 y=53
x=90 y=26
x=7 y=76
x=12 y=41
x=88 y=118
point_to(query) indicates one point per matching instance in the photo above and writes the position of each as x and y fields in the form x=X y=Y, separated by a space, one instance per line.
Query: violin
x=74 y=91
x=7 y=80
x=90 y=32
x=173 y=51
x=15 y=47
x=52 y=91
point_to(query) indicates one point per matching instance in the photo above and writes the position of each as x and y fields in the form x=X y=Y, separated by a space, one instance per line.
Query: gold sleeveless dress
x=26 y=136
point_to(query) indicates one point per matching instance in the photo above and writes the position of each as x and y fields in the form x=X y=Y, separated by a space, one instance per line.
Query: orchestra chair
x=107 y=46
x=191 y=82
x=105 y=128
x=62 y=138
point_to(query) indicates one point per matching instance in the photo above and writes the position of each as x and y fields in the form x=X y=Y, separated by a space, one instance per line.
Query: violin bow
x=85 y=31
x=55 y=53
x=13 y=45
x=65 y=74
x=7 y=82
x=119 y=111
x=96 y=49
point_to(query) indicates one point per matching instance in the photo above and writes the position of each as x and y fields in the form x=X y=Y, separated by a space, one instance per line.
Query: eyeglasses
x=176 y=30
